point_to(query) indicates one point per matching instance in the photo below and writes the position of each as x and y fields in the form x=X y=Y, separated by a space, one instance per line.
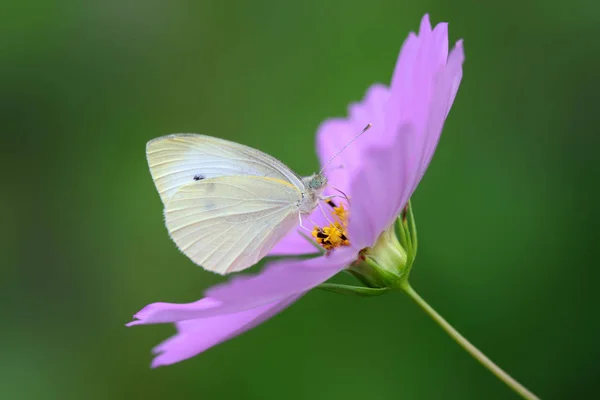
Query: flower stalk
x=468 y=346
x=386 y=266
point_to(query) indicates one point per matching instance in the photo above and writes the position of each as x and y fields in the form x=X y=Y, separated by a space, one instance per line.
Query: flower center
x=335 y=234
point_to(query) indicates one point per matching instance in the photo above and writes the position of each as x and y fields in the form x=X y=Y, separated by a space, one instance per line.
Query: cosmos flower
x=378 y=174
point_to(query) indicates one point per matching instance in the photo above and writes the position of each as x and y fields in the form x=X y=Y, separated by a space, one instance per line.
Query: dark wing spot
x=199 y=177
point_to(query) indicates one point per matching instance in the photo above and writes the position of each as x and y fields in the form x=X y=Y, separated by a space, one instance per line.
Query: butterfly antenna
x=343 y=194
x=366 y=128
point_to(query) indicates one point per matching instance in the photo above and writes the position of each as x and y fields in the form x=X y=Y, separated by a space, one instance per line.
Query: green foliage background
x=506 y=213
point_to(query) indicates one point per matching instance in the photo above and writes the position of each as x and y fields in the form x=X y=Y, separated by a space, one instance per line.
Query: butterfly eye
x=317 y=182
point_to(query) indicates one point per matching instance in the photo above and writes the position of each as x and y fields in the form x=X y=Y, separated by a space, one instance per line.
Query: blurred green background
x=506 y=213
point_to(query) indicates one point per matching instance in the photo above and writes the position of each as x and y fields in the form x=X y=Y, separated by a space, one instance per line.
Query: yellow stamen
x=342 y=214
x=335 y=234
x=331 y=236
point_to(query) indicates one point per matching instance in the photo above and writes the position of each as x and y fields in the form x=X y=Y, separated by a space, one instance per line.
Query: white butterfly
x=226 y=204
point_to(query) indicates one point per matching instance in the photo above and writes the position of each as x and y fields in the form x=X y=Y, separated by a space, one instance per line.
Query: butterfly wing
x=180 y=159
x=228 y=224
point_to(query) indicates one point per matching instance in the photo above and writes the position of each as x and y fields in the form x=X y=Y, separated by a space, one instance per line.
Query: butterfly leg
x=324 y=214
x=300 y=223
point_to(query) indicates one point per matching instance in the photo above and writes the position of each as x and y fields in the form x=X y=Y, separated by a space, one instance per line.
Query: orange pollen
x=335 y=234
x=342 y=214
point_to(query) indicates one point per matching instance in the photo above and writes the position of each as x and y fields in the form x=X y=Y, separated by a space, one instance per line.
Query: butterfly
x=226 y=204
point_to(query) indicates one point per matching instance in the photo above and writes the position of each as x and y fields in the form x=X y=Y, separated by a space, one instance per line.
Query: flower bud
x=388 y=262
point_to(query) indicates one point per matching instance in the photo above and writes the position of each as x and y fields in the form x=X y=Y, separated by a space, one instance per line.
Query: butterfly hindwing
x=227 y=224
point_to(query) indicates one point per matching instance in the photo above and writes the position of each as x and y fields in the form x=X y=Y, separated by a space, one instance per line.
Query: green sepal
x=357 y=273
x=407 y=232
x=412 y=229
x=354 y=290
x=388 y=262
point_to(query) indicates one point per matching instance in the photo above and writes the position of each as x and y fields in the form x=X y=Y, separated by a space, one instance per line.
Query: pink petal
x=195 y=336
x=382 y=188
x=454 y=72
x=412 y=82
x=425 y=27
x=336 y=133
x=157 y=313
x=447 y=82
x=400 y=106
x=279 y=280
x=423 y=88
x=369 y=110
x=294 y=243
x=332 y=136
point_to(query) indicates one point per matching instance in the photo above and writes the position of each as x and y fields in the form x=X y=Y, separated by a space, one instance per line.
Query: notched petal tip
x=134 y=322
x=159 y=313
x=144 y=316
x=160 y=362
x=196 y=336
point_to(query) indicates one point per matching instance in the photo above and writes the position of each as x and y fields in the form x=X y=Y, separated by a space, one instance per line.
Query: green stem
x=461 y=340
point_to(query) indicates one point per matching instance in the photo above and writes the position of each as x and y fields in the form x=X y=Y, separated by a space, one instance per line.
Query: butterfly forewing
x=180 y=159
x=227 y=224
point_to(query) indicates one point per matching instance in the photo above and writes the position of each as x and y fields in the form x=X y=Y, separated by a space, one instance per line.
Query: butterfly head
x=314 y=186
x=317 y=182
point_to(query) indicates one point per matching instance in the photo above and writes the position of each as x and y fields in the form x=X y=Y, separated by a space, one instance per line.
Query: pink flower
x=379 y=173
